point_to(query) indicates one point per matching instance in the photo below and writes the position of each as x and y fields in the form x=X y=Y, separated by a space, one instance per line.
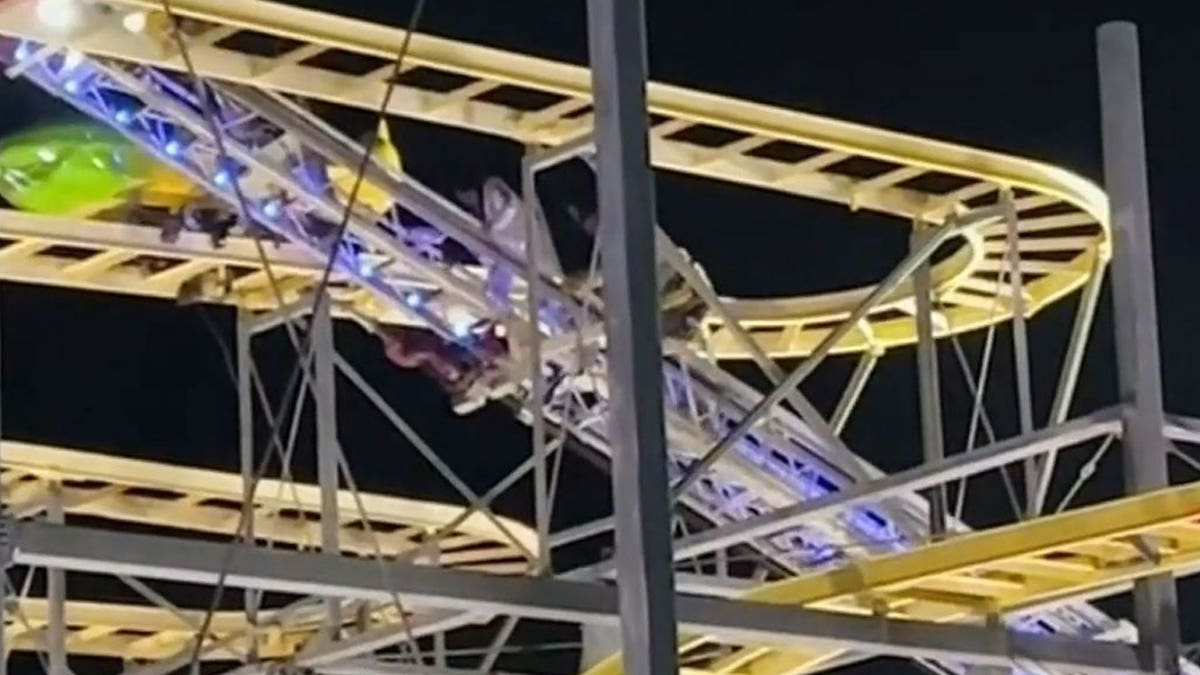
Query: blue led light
x=124 y=116
x=173 y=148
x=272 y=208
x=223 y=178
x=22 y=52
x=462 y=329
x=413 y=300
x=365 y=269
x=72 y=86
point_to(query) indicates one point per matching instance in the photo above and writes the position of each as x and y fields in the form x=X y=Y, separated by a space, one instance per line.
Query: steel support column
x=325 y=403
x=1068 y=378
x=56 y=593
x=1136 y=319
x=4 y=522
x=537 y=378
x=854 y=389
x=1020 y=337
x=245 y=390
x=933 y=442
x=617 y=50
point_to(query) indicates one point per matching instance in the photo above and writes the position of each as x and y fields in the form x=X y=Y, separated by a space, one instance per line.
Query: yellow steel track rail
x=129 y=259
x=125 y=490
x=1063 y=217
x=1088 y=552
x=144 y=633
x=135 y=632
x=121 y=490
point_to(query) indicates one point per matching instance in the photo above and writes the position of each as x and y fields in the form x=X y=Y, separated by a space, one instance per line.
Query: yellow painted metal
x=128 y=491
x=369 y=194
x=140 y=632
x=129 y=259
x=168 y=189
x=1063 y=217
x=125 y=490
x=1082 y=553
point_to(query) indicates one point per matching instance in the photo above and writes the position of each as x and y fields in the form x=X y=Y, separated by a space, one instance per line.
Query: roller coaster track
x=1061 y=221
x=1062 y=218
x=116 y=490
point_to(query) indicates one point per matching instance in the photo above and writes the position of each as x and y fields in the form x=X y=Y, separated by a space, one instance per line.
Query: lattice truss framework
x=785 y=491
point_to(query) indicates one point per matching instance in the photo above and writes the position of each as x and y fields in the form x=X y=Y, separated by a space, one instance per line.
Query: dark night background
x=146 y=379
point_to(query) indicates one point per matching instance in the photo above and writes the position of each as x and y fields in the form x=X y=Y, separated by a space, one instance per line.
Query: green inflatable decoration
x=70 y=169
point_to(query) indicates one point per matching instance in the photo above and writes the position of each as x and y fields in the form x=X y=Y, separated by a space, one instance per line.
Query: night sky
x=146 y=379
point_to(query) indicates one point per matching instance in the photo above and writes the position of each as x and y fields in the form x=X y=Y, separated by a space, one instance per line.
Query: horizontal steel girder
x=97 y=551
x=1081 y=553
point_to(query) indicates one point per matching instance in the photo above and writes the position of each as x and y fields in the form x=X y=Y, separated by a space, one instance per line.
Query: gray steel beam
x=244 y=355
x=325 y=404
x=932 y=435
x=617 y=51
x=537 y=378
x=853 y=391
x=1183 y=429
x=56 y=594
x=1135 y=319
x=1020 y=337
x=1064 y=393
x=4 y=525
x=199 y=562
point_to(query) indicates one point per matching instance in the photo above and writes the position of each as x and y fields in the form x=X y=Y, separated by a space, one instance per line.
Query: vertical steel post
x=4 y=524
x=1068 y=377
x=56 y=595
x=325 y=402
x=1020 y=337
x=533 y=244
x=1135 y=318
x=245 y=391
x=933 y=442
x=646 y=585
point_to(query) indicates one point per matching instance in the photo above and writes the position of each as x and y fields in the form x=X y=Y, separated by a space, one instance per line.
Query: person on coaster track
x=465 y=374
x=469 y=376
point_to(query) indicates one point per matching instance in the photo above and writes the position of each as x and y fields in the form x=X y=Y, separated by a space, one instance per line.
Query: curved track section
x=1063 y=218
